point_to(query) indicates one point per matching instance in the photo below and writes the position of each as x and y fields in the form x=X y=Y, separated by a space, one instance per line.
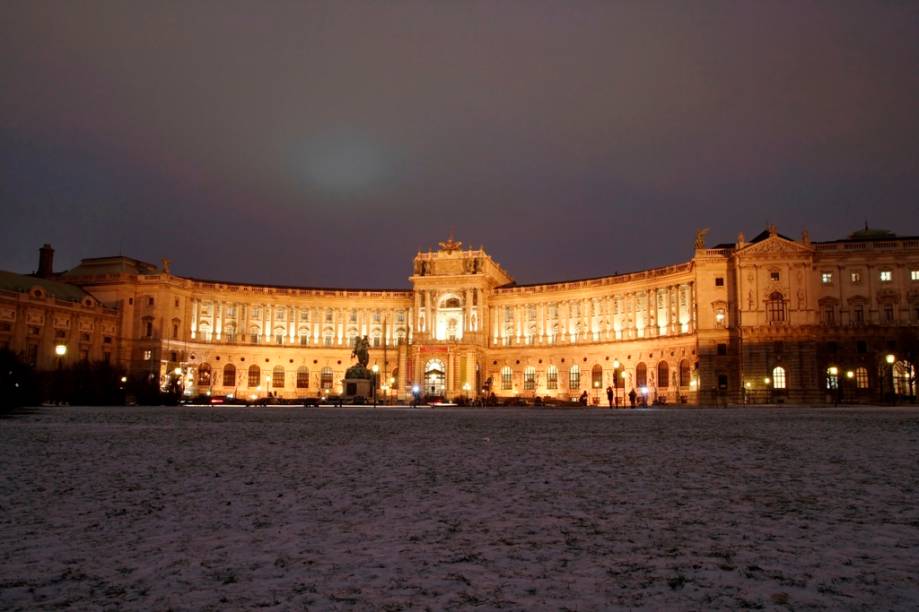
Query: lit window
x=832 y=378
x=529 y=378
x=148 y=355
x=277 y=377
x=778 y=377
x=861 y=378
x=326 y=379
x=855 y=277
x=552 y=377
x=506 y=380
x=719 y=317
x=574 y=377
x=719 y=281
x=254 y=376
x=774 y=276
x=303 y=378
x=886 y=276
x=826 y=278
x=914 y=275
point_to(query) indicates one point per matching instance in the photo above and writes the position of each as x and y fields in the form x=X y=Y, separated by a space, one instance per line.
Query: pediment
x=775 y=246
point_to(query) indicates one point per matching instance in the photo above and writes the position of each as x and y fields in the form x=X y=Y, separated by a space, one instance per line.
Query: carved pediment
x=775 y=246
x=856 y=300
x=888 y=296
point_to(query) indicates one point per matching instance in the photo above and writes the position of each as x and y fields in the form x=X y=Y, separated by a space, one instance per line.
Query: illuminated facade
x=767 y=320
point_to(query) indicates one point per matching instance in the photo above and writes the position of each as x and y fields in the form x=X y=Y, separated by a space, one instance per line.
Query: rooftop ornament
x=449 y=245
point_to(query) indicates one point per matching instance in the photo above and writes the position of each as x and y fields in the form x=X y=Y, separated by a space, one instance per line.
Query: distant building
x=769 y=320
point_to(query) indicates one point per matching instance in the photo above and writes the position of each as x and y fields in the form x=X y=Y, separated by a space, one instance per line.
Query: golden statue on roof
x=450 y=244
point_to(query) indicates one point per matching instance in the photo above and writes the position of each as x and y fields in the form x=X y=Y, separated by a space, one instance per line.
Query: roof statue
x=450 y=245
x=805 y=237
x=700 y=238
x=773 y=230
x=166 y=263
x=741 y=240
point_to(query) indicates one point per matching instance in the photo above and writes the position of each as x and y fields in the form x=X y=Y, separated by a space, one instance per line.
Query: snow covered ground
x=228 y=508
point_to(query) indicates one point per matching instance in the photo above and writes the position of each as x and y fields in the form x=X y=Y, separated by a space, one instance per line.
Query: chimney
x=45 y=261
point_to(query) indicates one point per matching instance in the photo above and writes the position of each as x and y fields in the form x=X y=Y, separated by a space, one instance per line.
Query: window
x=204 y=375
x=176 y=302
x=832 y=378
x=277 y=377
x=303 y=378
x=148 y=355
x=60 y=333
x=34 y=330
x=829 y=316
x=552 y=377
x=719 y=281
x=861 y=378
x=663 y=375
x=641 y=375
x=826 y=278
x=855 y=278
x=888 y=313
x=574 y=378
x=778 y=377
x=148 y=328
x=175 y=330
x=685 y=373
x=719 y=317
x=596 y=376
x=376 y=316
x=506 y=378
x=326 y=378
x=328 y=315
x=775 y=308
x=254 y=375
x=858 y=315
x=229 y=375
x=774 y=275
x=722 y=348
x=149 y=301
x=886 y=276
x=107 y=340
x=529 y=378
x=914 y=275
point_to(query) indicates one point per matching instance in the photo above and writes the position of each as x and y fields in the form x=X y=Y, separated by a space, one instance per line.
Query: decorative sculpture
x=700 y=238
x=361 y=350
x=166 y=263
x=450 y=245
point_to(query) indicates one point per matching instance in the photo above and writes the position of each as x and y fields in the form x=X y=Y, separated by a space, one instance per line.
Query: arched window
x=619 y=378
x=303 y=378
x=229 y=332
x=204 y=375
x=254 y=376
x=506 y=379
x=277 y=377
x=778 y=377
x=775 y=308
x=529 y=378
x=685 y=373
x=326 y=378
x=304 y=334
x=451 y=303
x=904 y=378
x=574 y=378
x=253 y=334
x=861 y=378
x=279 y=335
x=641 y=375
x=229 y=375
x=552 y=377
x=328 y=336
x=596 y=376
x=663 y=375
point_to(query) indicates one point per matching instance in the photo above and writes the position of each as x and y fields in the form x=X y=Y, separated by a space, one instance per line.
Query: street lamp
x=616 y=365
x=466 y=387
x=890 y=359
x=60 y=350
x=834 y=372
x=376 y=370
x=597 y=392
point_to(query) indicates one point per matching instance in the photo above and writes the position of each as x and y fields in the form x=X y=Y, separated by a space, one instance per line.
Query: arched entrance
x=434 y=376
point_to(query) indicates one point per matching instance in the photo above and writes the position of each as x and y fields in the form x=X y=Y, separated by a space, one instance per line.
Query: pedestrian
x=632 y=398
x=583 y=399
x=609 y=396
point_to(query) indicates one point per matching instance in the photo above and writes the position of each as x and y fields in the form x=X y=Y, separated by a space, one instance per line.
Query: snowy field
x=323 y=508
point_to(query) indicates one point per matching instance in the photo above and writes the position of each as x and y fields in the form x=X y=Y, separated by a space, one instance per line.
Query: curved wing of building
x=769 y=320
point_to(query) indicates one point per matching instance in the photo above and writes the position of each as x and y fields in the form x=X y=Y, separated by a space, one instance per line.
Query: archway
x=434 y=377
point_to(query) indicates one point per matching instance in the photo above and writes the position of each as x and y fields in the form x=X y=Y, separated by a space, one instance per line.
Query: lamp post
x=597 y=392
x=890 y=359
x=373 y=388
x=60 y=350
x=850 y=376
x=616 y=374
x=466 y=387
x=834 y=372
x=766 y=382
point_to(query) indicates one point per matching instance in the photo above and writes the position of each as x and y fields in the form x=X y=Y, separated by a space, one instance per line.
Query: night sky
x=321 y=144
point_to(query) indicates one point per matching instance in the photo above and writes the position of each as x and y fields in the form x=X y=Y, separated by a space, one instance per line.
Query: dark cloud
x=324 y=143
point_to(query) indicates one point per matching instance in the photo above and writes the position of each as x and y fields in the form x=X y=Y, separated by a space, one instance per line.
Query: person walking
x=632 y=398
x=609 y=396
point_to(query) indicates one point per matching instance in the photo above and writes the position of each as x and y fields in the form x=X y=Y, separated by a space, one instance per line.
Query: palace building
x=772 y=319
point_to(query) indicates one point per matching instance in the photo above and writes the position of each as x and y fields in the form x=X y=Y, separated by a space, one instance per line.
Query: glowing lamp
x=61 y=349
x=890 y=359
x=850 y=374
x=833 y=370
x=766 y=381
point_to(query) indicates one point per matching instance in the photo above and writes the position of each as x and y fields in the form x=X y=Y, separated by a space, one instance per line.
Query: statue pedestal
x=358 y=386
